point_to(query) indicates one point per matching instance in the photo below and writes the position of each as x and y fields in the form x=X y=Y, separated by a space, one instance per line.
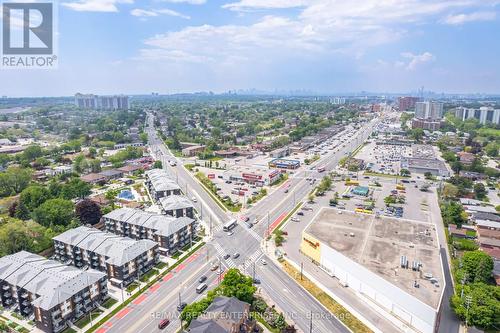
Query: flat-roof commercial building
x=160 y=183
x=281 y=163
x=122 y=258
x=423 y=165
x=171 y=233
x=392 y=264
x=193 y=150
x=50 y=292
x=253 y=175
x=177 y=206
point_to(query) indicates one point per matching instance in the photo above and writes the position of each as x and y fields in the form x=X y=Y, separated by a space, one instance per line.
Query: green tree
x=33 y=196
x=80 y=164
x=14 y=180
x=417 y=134
x=479 y=305
x=450 y=191
x=491 y=149
x=75 y=188
x=453 y=213
x=480 y=191
x=478 y=266
x=405 y=172
x=54 y=212
x=158 y=165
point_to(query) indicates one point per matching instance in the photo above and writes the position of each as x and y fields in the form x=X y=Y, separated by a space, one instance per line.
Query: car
x=181 y=306
x=300 y=213
x=244 y=218
x=194 y=199
x=226 y=256
x=202 y=279
x=236 y=255
x=294 y=219
x=230 y=233
x=263 y=261
x=286 y=191
x=256 y=281
x=172 y=163
x=214 y=267
x=220 y=176
x=284 y=233
x=163 y=323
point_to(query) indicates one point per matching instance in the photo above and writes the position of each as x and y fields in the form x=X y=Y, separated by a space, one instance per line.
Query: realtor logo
x=28 y=35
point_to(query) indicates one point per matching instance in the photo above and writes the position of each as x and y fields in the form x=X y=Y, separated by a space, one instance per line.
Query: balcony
x=56 y=313
x=7 y=294
x=6 y=287
x=24 y=295
x=77 y=299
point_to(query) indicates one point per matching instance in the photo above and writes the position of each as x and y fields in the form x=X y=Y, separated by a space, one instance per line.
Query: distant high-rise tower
x=89 y=101
x=429 y=110
x=407 y=102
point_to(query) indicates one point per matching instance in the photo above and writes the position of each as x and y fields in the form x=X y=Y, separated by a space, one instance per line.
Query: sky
x=326 y=46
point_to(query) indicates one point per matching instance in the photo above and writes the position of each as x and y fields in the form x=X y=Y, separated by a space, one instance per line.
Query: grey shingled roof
x=162 y=180
x=173 y=202
x=52 y=281
x=162 y=224
x=117 y=250
x=205 y=326
x=231 y=306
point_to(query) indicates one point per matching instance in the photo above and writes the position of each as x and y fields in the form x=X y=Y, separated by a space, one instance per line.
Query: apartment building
x=48 y=292
x=90 y=101
x=429 y=110
x=177 y=206
x=122 y=259
x=171 y=233
x=484 y=114
x=160 y=184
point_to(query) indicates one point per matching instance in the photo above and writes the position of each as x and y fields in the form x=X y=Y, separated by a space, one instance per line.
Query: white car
x=172 y=163
x=294 y=219
x=193 y=199
x=263 y=262
x=230 y=233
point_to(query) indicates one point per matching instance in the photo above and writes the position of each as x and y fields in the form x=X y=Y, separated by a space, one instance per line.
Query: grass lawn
x=69 y=330
x=152 y=272
x=131 y=287
x=161 y=265
x=109 y=303
x=86 y=319
x=353 y=323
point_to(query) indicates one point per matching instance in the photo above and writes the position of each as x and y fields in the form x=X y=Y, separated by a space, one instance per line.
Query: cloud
x=157 y=12
x=472 y=17
x=96 y=5
x=321 y=28
x=416 y=59
x=245 y=5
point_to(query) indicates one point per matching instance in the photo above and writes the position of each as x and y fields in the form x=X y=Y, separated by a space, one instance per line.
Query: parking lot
x=383 y=158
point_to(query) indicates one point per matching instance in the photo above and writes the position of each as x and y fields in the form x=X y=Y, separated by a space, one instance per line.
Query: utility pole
x=208 y=256
x=310 y=322
x=254 y=270
x=180 y=300
x=301 y=271
x=468 y=301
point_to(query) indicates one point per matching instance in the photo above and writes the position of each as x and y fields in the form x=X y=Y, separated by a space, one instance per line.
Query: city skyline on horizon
x=322 y=46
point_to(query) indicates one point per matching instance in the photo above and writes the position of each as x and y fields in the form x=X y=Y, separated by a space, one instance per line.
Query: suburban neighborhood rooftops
x=378 y=244
x=117 y=250
x=51 y=281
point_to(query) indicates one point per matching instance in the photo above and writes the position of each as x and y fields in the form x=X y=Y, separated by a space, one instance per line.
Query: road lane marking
x=123 y=313
x=139 y=299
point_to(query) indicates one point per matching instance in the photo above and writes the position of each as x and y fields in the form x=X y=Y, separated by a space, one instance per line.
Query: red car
x=164 y=323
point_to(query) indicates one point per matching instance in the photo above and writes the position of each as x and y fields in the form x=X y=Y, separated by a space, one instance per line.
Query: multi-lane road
x=161 y=300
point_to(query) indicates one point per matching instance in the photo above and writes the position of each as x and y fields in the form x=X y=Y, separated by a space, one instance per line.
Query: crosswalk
x=221 y=253
x=251 y=259
x=254 y=234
